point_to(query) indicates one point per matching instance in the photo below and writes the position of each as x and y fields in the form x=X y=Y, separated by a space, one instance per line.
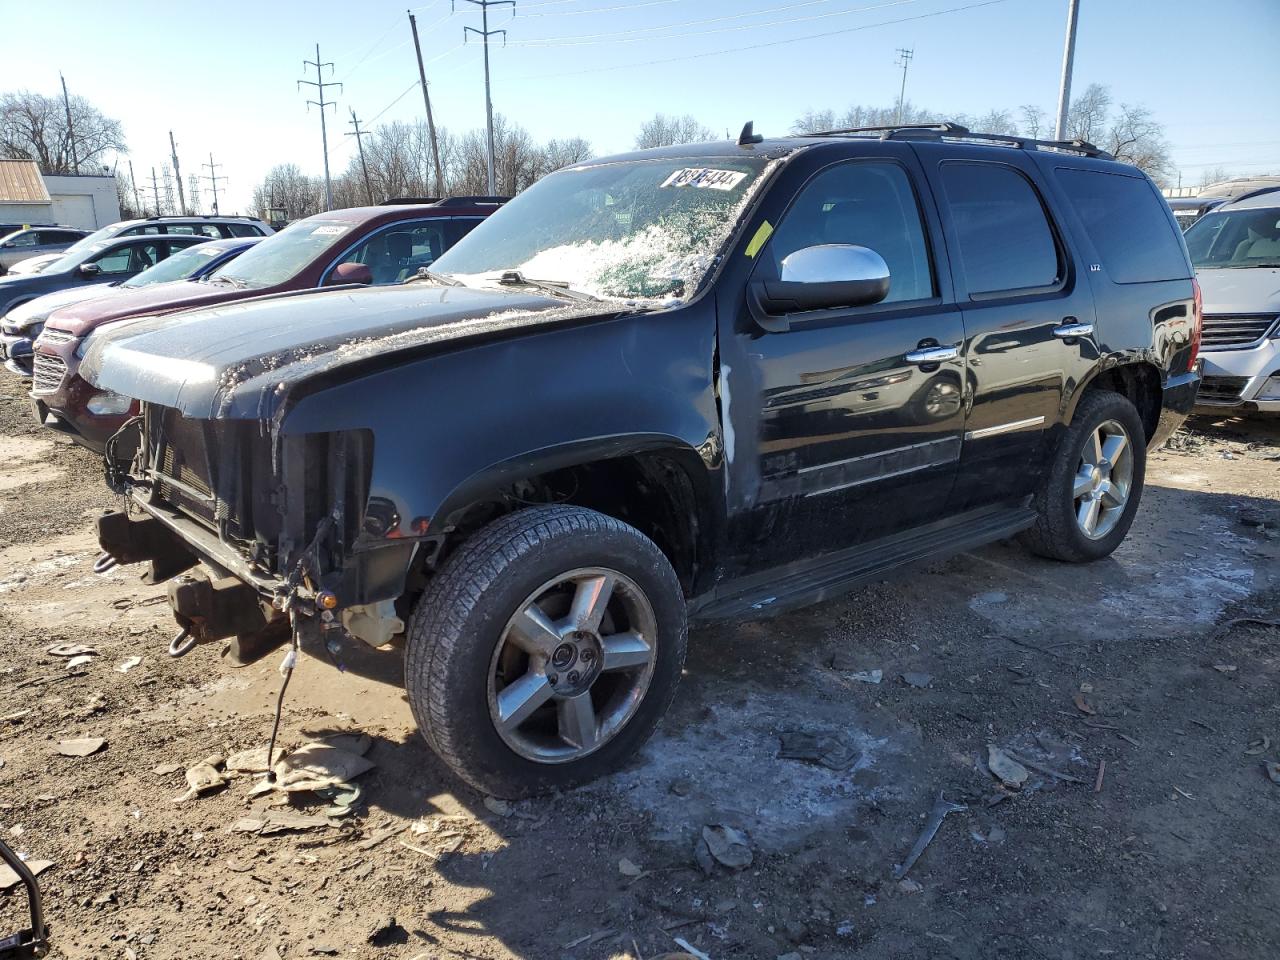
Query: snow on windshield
x=629 y=231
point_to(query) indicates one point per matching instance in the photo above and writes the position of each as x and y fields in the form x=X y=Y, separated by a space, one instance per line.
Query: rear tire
x=1088 y=499
x=545 y=650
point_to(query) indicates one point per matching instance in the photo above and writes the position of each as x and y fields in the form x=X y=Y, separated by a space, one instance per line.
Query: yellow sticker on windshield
x=763 y=233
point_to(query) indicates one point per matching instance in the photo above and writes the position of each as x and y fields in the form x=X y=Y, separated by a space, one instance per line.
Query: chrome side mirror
x=826 y=276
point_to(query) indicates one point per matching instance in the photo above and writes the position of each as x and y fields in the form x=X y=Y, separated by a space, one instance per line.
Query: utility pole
x=71 y=131
x=431 y=123
x=1068 y=59
x=903 y=61
x=177 y=175
x=485 y=33
x=155 y=190
x=360 y=135
x=319 y=84
x=137 y=204
x=213 y=179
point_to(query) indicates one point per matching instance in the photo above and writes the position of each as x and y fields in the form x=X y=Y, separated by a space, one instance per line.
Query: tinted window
x=129 y=259
x=27 y=238
x=243 y=230
x=1005 y=241
x=1236 y=238
x=870 y=204
x=1128 y=224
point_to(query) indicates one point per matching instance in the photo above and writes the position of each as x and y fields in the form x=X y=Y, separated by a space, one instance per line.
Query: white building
x=84 y=201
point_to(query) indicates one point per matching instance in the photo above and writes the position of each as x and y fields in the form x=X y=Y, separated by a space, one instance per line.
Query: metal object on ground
x=32 y=942
x=940 y=810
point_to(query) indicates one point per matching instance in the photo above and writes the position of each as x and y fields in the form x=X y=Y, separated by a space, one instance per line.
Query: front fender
x=450 y=425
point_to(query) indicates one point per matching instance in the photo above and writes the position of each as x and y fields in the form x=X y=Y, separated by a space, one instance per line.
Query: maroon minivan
x=378 y=245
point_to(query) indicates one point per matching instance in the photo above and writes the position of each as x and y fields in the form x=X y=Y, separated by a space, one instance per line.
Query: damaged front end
x=281 y=522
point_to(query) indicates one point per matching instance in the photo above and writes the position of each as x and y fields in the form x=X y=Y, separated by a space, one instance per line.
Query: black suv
x=707 y=381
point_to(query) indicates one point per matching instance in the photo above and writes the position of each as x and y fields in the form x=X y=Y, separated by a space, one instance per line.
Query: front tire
x=545 y=650
x=1089 y=497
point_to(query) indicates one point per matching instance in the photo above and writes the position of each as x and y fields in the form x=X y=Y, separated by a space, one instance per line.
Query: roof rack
x=470 y=201
x=395 y=201
x=954 y=131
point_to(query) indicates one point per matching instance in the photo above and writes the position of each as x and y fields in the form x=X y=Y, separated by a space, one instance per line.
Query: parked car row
x=166 y=265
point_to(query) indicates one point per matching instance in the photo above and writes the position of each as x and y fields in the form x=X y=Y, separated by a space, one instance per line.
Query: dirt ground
x=1141 y=661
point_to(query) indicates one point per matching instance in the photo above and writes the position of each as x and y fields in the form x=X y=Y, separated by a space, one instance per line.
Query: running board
x=830 y=575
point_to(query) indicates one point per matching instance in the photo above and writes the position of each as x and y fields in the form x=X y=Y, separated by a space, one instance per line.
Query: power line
x=760 y=46
x=630 y=36
x=426 y=98
x=610 y=9
x=485 y=33
x=360 y=135
x=213 y=177
x=319 y=83
x=904 y=61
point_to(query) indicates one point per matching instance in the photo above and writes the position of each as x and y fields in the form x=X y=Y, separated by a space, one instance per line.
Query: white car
x=1236 y=252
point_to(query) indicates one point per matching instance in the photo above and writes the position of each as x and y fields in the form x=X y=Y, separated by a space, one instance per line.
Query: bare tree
x=814 y=121
x=664 y=131
x=1216 y=175
x=1034 y=121
x=34 y=127
x=288 y=188
x=1087 y=117
x=565 y=153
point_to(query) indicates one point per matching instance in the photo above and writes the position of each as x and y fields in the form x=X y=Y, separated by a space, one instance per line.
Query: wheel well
x=1140 y=384
x=652 y=491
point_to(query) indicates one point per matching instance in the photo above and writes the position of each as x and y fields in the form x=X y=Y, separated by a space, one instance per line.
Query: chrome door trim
x=1003 y=428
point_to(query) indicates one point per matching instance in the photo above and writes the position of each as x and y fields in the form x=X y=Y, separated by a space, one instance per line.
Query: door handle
x=932 y=355
x=1073 y=329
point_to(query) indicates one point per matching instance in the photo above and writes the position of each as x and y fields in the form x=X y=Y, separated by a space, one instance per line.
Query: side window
x=141 y=231
x=183 y=229
x=1006 y=243
x=457 y=228
x=869 y=203
x=242 y=230
x=28 y=238
x=130 y=259
x=114 y=261
x=1128 y=225
x=395 y=253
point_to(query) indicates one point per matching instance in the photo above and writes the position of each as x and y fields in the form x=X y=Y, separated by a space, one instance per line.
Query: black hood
x=240 y=360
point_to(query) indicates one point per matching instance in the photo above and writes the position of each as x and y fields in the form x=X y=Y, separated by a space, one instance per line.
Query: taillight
x=1197 y=324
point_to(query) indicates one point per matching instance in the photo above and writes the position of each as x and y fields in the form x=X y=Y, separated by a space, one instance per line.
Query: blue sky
x=221 y=76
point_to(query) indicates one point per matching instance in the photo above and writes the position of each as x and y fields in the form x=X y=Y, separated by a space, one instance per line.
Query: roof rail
x=954 y=131
x=1254 y=193
x=466 y=201
x=394 y=201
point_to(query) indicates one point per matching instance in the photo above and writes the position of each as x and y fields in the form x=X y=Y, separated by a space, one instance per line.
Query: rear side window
x=243 y=230
x=1006 y=243
x=1128 y=225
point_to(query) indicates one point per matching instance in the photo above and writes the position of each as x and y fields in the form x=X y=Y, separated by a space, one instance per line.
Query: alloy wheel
x=572 y=665
x=1103 y=480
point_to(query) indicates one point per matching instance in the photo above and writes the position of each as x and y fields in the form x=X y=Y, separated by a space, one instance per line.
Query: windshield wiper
x=426 y=274
x=514 y=278
x=224 y=278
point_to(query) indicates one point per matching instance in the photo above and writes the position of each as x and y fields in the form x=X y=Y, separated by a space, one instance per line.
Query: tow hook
x=104 y=563
x=33 y=942
x=183 y=643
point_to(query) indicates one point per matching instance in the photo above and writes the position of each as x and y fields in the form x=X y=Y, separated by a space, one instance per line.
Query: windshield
x=629 y=230
x=1236 y=238
x=84 y=243
x=181 y=265
x=279 y=257
x=73 y=257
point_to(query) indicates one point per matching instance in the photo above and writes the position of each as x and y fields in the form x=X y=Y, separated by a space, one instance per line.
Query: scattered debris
x=867 y=676
x=725 y=845
x=1225 y=667
x=124 y=666
x=1102 y=771
x=824 y=749
x=501 y=807
x=681 y=788
x=1007 y=770
x=166 y=769
x=1083 y=705
x=203 y=777
x=379 y=837
x=1258 y=747
x=82 y=660
x=629 y=869
x=84 y=747
x=1047 y=771
x=909 y=886
x=996 y=834
x=1273 y=771
x=248 y=761
x=314 y=766
x=690 y=949
x=277 y=821
x=9 y=880
x=918 y=680
x=941 y=808
x=1184 y=793
x=72 y=650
